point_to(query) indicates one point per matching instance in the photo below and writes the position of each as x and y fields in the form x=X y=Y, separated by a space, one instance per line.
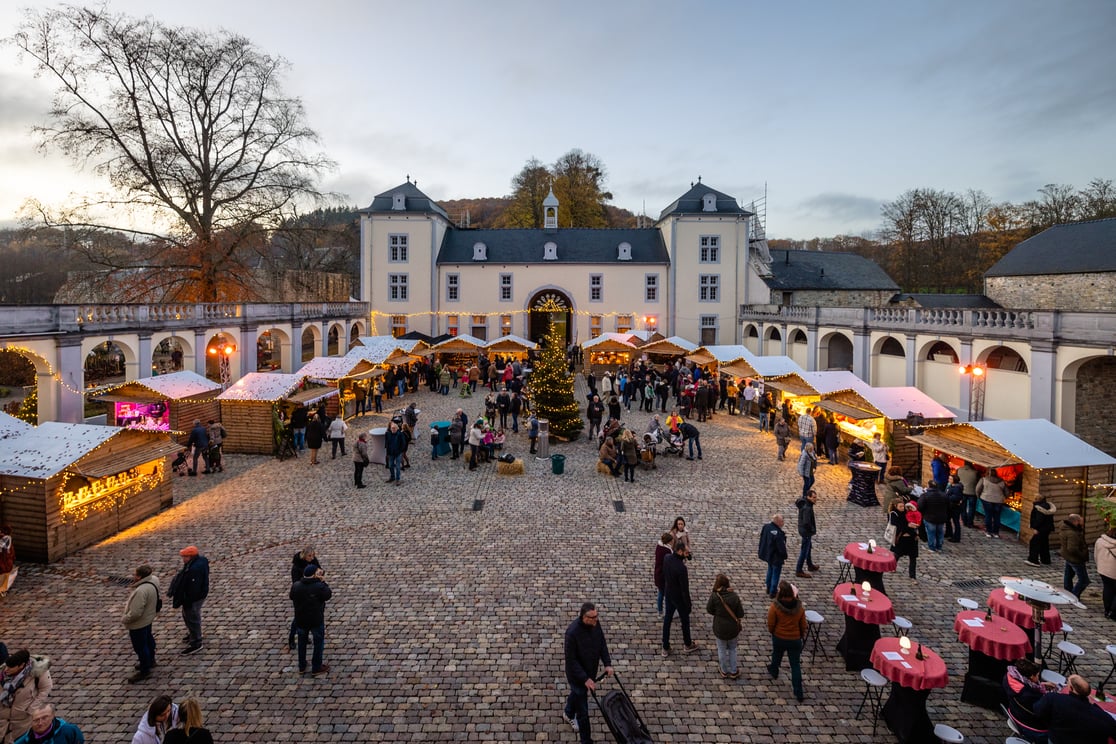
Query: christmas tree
x=552 y=389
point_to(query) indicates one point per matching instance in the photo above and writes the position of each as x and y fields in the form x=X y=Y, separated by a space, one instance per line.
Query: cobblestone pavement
x=447 y=623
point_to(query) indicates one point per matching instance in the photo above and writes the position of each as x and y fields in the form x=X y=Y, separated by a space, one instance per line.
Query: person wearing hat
x=188 y=590
x=309 y=595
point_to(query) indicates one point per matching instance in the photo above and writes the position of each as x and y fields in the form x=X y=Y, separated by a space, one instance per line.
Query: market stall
x=510 y=347
x=254 y=408
x=350 y=374
x=168 y=402
x=610 y=352
x=67 y=486
x=461 y=351
x=1033 y=456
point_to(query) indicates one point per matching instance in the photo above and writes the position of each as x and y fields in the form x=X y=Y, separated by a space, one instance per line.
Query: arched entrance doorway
x=549 y=306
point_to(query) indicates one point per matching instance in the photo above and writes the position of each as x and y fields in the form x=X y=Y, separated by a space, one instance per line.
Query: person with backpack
x=139 y=614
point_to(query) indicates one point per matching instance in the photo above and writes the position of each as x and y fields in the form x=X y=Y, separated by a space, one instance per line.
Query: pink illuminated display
x=150 y=416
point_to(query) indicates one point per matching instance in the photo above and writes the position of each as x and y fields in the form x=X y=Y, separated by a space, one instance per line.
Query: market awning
x=312 y=395
x=852 y=412
x=985 y=456
x=124 y=461
x=738 y=368
x=790 y=384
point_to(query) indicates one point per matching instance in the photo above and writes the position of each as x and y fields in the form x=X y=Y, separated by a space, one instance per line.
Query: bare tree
x=192 y=131
x=1097 y=200
x=1059 y=204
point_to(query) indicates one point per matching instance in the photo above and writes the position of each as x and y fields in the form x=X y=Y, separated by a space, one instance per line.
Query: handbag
x=890 y=533
x=728 y=609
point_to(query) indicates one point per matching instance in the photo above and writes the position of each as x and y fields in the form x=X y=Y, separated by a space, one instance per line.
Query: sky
x=830 y=109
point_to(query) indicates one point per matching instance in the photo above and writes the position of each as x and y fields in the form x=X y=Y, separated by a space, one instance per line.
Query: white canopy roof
x=47 y=449
x=179 y=385
x=461 y=338
x=723 y=354
x=332 y=368
x=10 y=426
x=897 y=402
x=263 y=386
x=830 y=381
x=526 y=343
x=772 y=366
x=1041 y=444
x=406 y=344
x=620 y=338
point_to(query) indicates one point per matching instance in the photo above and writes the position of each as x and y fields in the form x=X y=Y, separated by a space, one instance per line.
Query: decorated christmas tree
x=552 y=389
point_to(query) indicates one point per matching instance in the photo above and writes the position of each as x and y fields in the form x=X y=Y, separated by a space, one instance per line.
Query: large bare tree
x=193 y=132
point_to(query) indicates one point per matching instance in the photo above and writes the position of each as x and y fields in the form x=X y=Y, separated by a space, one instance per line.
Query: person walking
x=188 y=590
x=807 y=465
x=786 y=621
x=782 y=437
x=880 y=455
x=1042 y=522
x=676 y=590
x=629 y=451
x=303 y=558
x=139 y=613
x=1104 y=550
x=584 y=649
x=533 y=432
x=969 y=477
x=934 y=505
x=199 y=443
x=773 y=552
x=315 y=436
x=1075 y=552
x=360 y=459
x=337 y=429
x=24 y=681
x=46 y=728
x=191 y=725
x=300 y=416
x=807 y=528
x=807 y=429
x=662 y=550
x=955 y=495
x=727 y=609
x=309 y=596
x=395 y=445
x=993 y=493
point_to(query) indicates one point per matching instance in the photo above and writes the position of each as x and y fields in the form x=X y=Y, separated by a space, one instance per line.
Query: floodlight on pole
x=977 y=380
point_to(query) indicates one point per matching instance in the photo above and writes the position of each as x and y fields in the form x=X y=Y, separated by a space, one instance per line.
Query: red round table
x=998 y=637
x=1019 y=612
x=875 y=610
x=880 y=560
x=912 y=680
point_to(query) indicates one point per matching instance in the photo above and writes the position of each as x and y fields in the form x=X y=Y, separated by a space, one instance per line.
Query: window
x=397 y=287
x=710 y=249
x=623 y=323
x=505 y=325
x=651 y=288
x=453 y=287
x=708 y=286
x=398 y=325
x=596 y=287
x=505 y=287
x=397 y=248
x=708 y=330
x=451 y=325
x=594 y=326
x=480 y=327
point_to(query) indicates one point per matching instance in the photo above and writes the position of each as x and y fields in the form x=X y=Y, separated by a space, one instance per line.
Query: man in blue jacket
x=585 y=648
x=395 y=444
x=188 y=590
x=47 y=729
x=773 y=551
x=199 y=442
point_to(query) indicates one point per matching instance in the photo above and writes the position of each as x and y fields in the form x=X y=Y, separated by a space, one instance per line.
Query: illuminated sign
x=111 y=491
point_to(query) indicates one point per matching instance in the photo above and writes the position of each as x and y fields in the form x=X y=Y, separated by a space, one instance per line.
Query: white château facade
x=687 y=275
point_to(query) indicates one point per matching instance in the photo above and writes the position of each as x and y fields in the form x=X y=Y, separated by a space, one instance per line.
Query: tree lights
x=552 y=388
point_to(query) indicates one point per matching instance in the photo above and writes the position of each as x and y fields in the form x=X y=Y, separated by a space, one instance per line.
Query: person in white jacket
x=1104 y=551
x=159 y=718
x=337 y=429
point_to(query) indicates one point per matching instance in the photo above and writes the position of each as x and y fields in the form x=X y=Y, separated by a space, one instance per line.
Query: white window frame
x=506 y=288
x=707 y=322
x=479 y=321
x=625 y=323
x=596 y=287
x=505 y=325
x=595 y=326
x=453 y=287
x=650 y=287
x=709 y=249
x=397 y=248
x=709 y=288
x=397 y=287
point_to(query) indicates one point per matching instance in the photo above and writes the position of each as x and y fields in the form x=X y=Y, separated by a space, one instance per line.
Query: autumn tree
x=529 y=187
x=192 y=131
x=577 y=179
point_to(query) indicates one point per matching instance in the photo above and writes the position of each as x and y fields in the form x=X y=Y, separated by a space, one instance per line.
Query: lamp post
x=223 y=353
x=977 y=378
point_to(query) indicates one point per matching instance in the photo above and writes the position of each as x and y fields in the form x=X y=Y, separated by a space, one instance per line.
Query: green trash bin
x=557 y=464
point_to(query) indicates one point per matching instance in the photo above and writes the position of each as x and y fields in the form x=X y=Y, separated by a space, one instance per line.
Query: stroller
x=621 y=717
x=674 y=444
x=180 y=466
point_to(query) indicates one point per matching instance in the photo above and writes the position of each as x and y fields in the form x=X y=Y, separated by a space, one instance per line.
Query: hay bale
x=510 y=468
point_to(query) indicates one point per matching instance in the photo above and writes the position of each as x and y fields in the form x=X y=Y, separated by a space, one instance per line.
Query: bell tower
x=550 y=212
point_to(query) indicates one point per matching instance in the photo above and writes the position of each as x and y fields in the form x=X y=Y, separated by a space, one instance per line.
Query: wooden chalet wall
x=906 y=454
x=24 y=508
x=183 y=413
x=1066 y=489
x=248 y=426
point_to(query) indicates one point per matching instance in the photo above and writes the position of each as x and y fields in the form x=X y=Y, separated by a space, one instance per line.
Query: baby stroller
x=180 y=466
x=674 y=444
x=621 y=717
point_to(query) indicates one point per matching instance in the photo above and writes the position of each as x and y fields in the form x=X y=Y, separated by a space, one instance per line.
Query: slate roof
x=826 y=270
x=575 y=245
x=1076 y=248
x=972 y=301
x=416 y=202
x=690 y=203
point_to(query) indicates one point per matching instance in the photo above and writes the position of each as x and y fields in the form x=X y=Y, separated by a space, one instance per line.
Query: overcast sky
x=833 y=108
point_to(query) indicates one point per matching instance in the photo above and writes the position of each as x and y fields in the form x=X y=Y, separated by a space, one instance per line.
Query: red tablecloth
x=1019 y=612
x=876 y=611
x=998 y=637
x=907 y=669
x=880 y=560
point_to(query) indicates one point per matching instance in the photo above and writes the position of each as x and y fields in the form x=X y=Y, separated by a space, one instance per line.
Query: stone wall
x=835 y=298
x=1068 y=292
x=1096 y=404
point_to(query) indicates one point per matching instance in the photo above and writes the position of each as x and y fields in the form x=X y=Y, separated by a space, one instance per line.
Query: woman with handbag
x=726 y=608
x=905 y=519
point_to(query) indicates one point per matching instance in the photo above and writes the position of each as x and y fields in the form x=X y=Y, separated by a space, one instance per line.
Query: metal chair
x=846 y=572
x=967 y=603
x=1111 y=649
x=1068 y=654
x=814 y=621
x=1065 y=630
x=1049 y=675
x=948 y=734
x=874 y=684
x=901 y=625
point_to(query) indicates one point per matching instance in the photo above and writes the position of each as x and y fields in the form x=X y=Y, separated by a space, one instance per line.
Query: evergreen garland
x=552 y=389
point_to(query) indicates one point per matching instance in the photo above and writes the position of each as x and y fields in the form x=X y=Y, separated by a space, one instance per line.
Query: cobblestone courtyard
x=446 y=622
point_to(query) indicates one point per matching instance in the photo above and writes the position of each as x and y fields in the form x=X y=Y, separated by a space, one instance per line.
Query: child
x=180 y=465
x=487 y=441
x=533 y=433
x=498 y=440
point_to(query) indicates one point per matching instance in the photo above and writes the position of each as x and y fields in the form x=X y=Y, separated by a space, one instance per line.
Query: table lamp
x=904 y=644
x=866 y=588
x=1009 y=593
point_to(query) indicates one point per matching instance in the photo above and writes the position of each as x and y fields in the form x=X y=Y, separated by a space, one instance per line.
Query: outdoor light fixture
x=904 y=644
x=977 y=379
x=866 y=588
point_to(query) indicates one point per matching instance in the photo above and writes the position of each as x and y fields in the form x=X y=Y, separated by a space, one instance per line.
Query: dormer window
x=709 y=203
x=398 y=202
x=480 y=252
x=550 y=252
x=624 y=252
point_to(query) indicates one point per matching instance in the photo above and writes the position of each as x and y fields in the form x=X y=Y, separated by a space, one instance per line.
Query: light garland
x=107 y=493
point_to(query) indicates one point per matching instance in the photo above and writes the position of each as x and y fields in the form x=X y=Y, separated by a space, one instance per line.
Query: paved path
x=446 y=623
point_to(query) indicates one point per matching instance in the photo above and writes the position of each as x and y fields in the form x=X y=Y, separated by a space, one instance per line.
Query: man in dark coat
x=1076 y=554
x=1073 y=717
x=584 y=649
x=690 y=434
x=309 y=596
x=594 y=412
x=807 y=528
x=395 y=444
x=773 y=551
x=934 y=506
x=188 y=590
x=199 y=442
x=676 y=592
x=1042 y=522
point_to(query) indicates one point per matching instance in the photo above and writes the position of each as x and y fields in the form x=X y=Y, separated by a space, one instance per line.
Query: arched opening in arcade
x=333 y=340
x=751 y=340
x=835 y=352
x=797 y=348
x=269 y=350
x=773 y=344
x=105 y=364
x=309 y=344
x=170 y=355
x=889 y=363
x=550 y=306
x=18 y=386
x=220 y=351
x=1089 y=397
x=354 y=335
